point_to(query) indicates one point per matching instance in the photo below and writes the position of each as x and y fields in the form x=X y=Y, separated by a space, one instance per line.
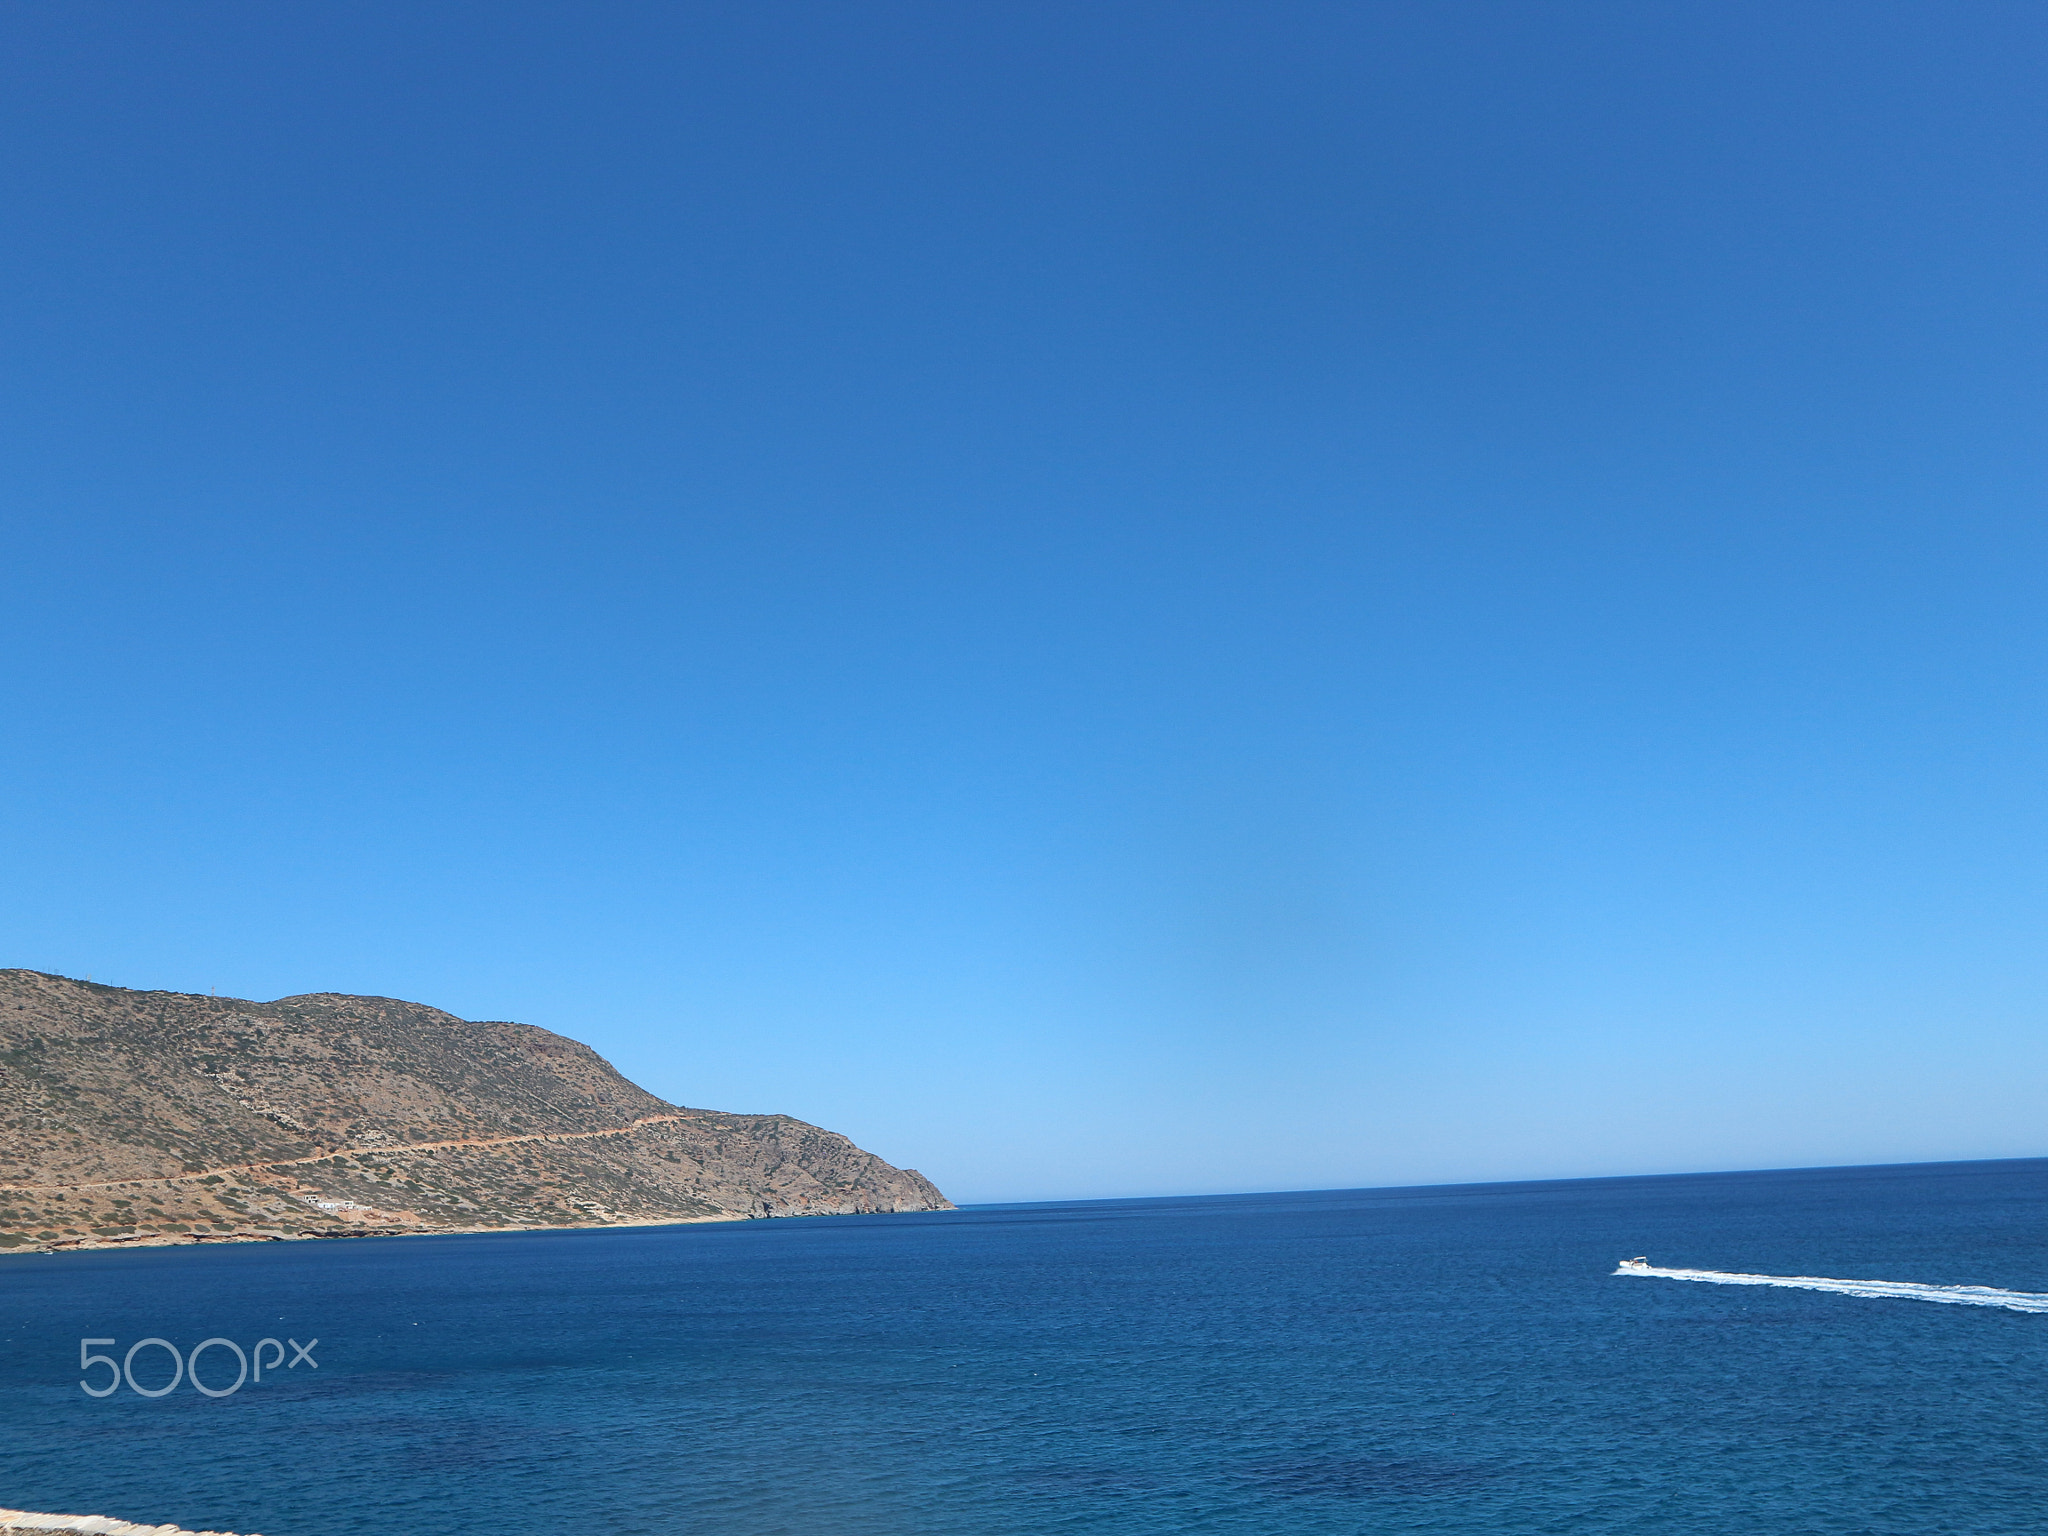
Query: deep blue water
x=1451 y=1359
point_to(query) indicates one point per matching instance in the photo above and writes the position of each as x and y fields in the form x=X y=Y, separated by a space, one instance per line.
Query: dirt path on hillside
x=390 y=1151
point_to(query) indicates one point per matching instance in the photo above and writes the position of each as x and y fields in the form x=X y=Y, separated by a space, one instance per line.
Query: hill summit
x=151 y=1117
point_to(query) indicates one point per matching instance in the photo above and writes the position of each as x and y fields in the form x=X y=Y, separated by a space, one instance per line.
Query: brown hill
x=132 y=1117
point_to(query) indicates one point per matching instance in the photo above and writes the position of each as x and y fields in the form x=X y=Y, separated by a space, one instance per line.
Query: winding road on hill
x=382 y=1151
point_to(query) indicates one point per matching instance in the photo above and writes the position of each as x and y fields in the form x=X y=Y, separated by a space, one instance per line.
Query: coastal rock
x=94 y=1525
x=135 y=1118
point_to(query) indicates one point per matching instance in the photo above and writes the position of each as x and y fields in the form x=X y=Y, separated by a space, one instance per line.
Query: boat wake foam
x=1904 y=1290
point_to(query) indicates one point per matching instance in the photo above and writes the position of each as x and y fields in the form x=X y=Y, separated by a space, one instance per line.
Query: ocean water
x=1453 y=1359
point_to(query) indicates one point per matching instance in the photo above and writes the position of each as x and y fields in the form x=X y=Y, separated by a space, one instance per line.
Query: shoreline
x=206 y=1239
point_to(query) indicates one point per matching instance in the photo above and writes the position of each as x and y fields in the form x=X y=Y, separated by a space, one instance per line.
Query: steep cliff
x=132 y=1117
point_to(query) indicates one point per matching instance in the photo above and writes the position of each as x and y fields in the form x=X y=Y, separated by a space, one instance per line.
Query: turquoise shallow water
x=1423 y=1360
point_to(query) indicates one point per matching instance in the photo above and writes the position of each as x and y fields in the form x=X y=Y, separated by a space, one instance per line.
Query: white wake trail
x=1904 y=1290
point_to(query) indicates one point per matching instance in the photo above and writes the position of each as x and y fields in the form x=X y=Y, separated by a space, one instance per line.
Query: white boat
x=1635 y=1263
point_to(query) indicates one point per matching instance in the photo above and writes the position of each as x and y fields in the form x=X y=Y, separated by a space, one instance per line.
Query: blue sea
x=1452 y=1359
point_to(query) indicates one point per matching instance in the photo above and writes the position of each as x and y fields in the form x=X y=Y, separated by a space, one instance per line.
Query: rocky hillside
x=132 y=1117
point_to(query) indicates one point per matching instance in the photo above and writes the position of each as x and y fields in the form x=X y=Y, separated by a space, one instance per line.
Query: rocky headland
x=131 y=1118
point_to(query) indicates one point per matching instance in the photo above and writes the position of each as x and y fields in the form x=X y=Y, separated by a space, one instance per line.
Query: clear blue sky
x=1111 y=599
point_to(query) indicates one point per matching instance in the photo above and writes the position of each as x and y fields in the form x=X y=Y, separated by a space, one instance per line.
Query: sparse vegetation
x=194 y=1108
